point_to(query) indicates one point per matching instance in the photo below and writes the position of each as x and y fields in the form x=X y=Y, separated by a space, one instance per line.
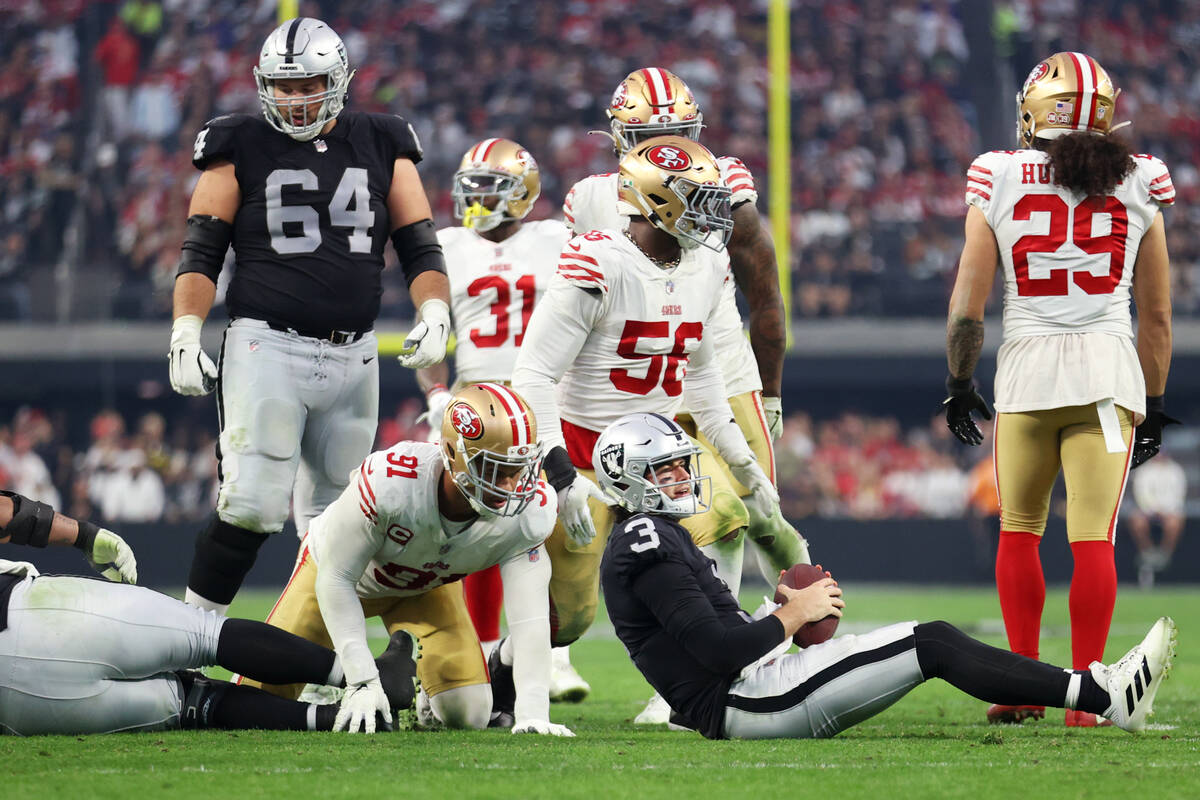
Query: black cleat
x=398 y=671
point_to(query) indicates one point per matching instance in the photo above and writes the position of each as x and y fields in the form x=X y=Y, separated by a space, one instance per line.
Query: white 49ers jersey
x=616 y=331
x=493 y=289
x=1068 y=266
x=411 y=549
x=592 y=205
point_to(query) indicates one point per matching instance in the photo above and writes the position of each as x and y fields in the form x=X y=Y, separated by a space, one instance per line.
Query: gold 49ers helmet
x=490 y=446
x=652 y=102
x=675 y=183
x=497 y=181
x=1067 y=92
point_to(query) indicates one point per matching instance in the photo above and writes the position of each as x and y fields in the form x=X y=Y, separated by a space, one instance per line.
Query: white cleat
x=566 y=685
x=1133 y=681
x=656 y=712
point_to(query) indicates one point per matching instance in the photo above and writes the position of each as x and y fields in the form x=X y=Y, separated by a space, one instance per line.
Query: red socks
x=485 y=595
x=1093 y=595
x=1022 y=590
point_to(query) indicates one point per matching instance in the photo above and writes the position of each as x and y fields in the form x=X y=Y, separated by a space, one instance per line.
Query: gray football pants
x=824 y=689
x=297 y=415
x=82 y=655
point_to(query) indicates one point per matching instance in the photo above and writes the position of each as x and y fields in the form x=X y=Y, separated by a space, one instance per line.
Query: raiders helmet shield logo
x=668 y=157
x=466 y=421
x=612 y=460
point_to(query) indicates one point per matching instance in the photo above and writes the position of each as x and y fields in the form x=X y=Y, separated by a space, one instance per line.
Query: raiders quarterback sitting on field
x=725 y=673
x=414 y=520
x=308 y=195
x=80 y=656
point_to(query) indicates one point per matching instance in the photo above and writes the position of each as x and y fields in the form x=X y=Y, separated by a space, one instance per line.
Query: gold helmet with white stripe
x=497 y=181
x=1066 y=93
x=675 y=183
x=490 y=446
x=652 y=102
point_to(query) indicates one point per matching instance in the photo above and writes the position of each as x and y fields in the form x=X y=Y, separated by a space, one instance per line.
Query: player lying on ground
x=415 y=519
x=725 y=674
x=78 y=655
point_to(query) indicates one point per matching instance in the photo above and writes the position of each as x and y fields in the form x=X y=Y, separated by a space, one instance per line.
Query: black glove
x=964 y=398
x=1147 y=437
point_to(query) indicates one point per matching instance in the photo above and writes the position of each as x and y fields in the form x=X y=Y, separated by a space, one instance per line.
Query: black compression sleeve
x=670 y=591
x=271 y=655
x=419 y=250
x=31 y=521
x=204 y=245
x=993 y=675
x=560 y=472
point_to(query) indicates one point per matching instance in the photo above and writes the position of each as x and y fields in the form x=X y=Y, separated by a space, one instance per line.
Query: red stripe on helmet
x=1078 y=90
x=650 y=85
x=1095 y=92
x=509 y=401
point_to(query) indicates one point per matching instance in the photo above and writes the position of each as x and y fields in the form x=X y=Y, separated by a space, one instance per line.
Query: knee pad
x=224 y=554
x=201 y=698
x=467 y=707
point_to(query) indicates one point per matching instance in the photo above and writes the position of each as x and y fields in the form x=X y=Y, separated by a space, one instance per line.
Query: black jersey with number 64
x=313 y=222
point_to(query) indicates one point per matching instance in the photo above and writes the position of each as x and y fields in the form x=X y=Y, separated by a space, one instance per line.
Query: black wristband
x=957 y=386
x=86 y=540
x=1155 y=403
x=560 y=472
x=418 y=249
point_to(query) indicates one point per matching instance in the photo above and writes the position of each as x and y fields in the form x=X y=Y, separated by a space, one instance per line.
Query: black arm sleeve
x=204 y=245
x=560 y=472
x=419 y=250
x=31 y=521
x=669 y=590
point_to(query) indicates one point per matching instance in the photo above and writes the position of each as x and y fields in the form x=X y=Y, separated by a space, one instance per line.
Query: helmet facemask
x=708 y=216
x=627 y=136
x=483 y=481
x=482 y=196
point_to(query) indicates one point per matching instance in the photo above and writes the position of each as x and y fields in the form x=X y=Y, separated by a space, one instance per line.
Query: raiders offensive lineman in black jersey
x=307 y=195
x=724 y=672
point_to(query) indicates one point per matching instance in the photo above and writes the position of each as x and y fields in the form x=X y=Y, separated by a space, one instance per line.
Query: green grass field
x=934 y=743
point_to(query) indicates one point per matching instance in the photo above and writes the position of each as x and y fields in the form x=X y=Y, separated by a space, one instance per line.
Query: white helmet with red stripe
x=1067 y=93
x=490 y=445
x=652 y=102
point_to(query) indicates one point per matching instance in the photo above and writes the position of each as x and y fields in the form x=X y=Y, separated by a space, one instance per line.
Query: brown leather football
x=797 y=577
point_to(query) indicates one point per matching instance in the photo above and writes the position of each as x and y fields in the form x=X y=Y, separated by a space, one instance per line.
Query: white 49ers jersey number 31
x=493 y=289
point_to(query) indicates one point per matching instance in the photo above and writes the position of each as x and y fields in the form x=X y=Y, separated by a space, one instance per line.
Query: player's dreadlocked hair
x=1087 y=163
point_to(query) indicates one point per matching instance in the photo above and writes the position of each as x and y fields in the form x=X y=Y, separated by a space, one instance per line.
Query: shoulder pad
x=640 y=542
x=737 y=176
x=981 y=178
x=1157 y=178
x=578 y=264
x=399 y=132
x=218 y=140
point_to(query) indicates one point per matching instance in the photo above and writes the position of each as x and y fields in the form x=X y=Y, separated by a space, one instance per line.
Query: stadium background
x=889 y=102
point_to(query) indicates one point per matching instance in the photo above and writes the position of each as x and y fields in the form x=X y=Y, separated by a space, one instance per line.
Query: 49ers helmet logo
x=466 y=421
x=668 y=157
x=618 y=98
x=1036 y=75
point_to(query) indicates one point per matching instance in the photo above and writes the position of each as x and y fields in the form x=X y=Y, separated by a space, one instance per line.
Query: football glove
x=751 y=475
x=192 y=371
x=425 y=345
x=112 y=558
x=438 y=399
x=964 y=398
x=773 y=408
x=360 y=705
x=542 y=726
x=573 y=509
x=1147 y=437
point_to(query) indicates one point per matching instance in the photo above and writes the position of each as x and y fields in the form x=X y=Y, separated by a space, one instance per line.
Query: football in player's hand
x=798 y=577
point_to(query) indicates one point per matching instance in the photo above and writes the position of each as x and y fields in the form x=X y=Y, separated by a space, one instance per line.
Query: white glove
x=192 y=371
x=751 y=475
x=438 y=400
x=359 y=705
x=542 y=726
x=573 y=509
x=425 y=345
x=111 y=549
x=773 y=408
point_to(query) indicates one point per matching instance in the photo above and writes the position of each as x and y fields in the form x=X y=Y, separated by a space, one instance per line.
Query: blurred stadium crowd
x=100 y=102
x=130 y=468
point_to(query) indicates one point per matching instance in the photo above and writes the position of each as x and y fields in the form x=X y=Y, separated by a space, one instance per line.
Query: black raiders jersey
x=309 y=234
x=681 y=625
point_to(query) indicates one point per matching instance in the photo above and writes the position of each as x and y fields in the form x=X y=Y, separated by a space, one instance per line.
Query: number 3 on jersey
x=1081 y=232
x=647 y=536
